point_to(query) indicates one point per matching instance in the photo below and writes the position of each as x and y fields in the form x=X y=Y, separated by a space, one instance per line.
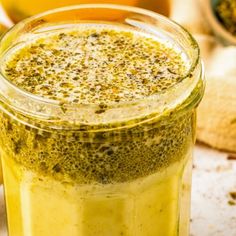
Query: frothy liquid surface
x=95 y=65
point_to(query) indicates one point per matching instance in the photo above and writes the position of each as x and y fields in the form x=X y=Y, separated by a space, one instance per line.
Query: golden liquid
x=20 y=9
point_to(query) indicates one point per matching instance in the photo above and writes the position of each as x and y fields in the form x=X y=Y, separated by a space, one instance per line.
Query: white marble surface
x=213 y=178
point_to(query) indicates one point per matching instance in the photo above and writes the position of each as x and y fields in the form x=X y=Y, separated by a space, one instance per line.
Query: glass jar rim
x=158 y=97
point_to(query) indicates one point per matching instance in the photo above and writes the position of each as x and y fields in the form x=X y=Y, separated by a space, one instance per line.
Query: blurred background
x=20 y=9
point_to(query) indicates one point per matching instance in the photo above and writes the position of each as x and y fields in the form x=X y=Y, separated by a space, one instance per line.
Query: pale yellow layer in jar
x=39 y=206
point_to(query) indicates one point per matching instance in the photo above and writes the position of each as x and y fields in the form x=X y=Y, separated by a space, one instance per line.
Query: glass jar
x=70 y=169
x=2 y=30
x=20 y=9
